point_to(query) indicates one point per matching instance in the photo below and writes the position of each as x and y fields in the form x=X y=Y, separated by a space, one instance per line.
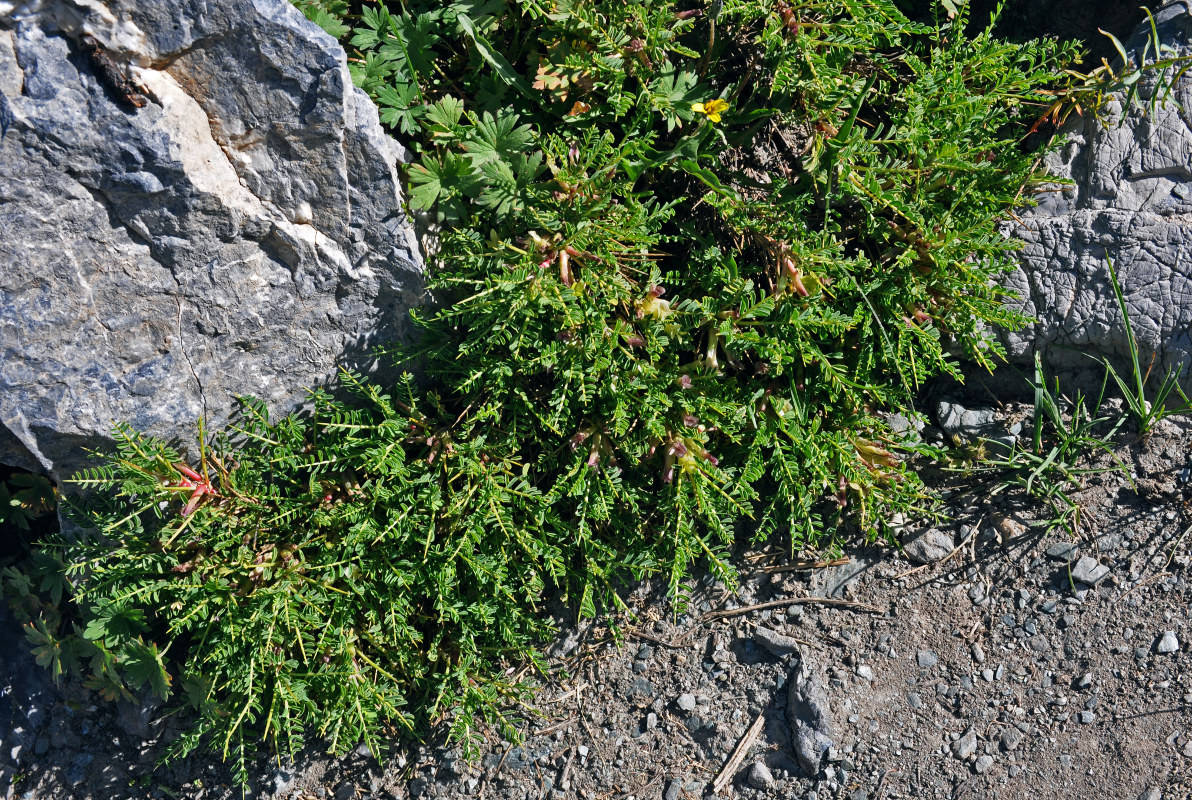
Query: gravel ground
x=992 y=657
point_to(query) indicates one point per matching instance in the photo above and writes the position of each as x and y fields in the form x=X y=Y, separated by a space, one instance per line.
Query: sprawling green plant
x=24 y=498
x=686 y=261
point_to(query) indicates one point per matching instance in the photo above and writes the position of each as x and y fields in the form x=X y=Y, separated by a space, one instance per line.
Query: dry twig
x=800 y=566
x=792 y=601
x=734 y=761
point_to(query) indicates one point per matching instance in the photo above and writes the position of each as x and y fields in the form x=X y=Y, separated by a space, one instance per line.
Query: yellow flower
x=711 y=109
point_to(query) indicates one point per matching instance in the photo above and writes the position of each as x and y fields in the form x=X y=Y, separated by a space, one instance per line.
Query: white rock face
x=1132 y=203
x=240 y=232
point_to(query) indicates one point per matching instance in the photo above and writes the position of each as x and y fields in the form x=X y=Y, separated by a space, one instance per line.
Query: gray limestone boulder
x=195 y=203
x=1131 y=201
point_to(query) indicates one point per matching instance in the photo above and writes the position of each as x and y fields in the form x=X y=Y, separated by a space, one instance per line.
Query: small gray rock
x=567 y=645
x=1087 y=717
x=1011 y=738
x=809 y=717
x=672 y=789
x=966 y=745
x=1062 y=551
x=956 y=420
x=136 y=718
x=641 y=692
x=983 y=764
x=865 y=671
x=900 y=423
x=926 y=659
x=76 y=773
x=1089 y=571
x=1151 y=793
x=978 y=653
x=686 y=702
x=283 y=781
x=759 y=776
x=1167 y=643
x=929 y=547
x=778 y=644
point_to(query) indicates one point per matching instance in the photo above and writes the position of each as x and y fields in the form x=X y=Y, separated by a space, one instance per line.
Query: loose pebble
x=929 y=547
x=966 y=745
x=760 y=776
x=1062 y=551
x=1089 y=571
x=1167 y=643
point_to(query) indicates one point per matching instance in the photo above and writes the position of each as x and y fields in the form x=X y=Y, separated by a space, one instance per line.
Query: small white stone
x=1168 y=643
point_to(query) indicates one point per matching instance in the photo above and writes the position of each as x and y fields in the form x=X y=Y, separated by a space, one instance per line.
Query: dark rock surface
x=239 y=233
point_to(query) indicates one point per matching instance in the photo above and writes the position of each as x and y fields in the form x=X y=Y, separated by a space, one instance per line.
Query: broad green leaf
x=145 y=664
x=494 y=59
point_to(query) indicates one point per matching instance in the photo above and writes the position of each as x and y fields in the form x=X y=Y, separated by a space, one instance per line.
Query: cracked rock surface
x=1130 y=201
x=239 y=233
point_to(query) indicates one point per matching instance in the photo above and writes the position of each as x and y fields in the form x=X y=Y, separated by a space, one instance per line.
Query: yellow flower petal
x=711 y=109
